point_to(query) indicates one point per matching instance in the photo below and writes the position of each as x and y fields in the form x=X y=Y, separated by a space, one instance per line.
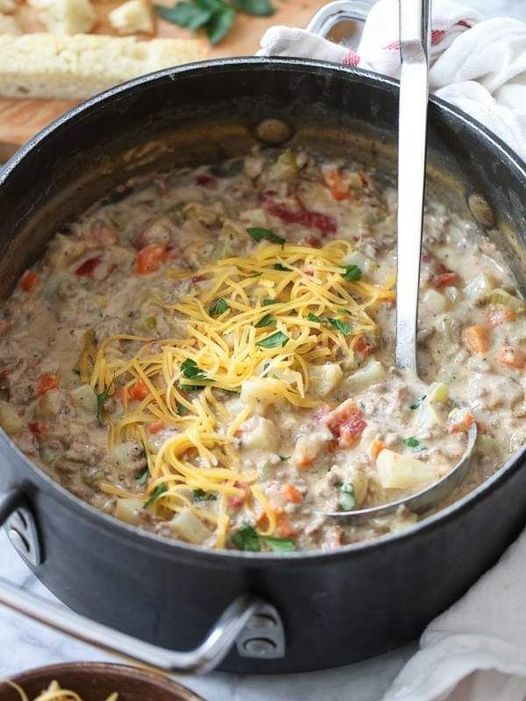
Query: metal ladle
x=415 y=22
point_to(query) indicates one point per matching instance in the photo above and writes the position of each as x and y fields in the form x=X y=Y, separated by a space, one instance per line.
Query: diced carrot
x=445 y=279
x=28 y=280
x=303 y=462
x=292 y=494
x=46 y=382
x=155 y=427
x=284 y=528
x=498 y=314
x=476 y=339
x=512 y=357
x=138 y=391
x=150 y=258
x=346 y=423
x=375 y=448
x=463 y=425
x=334 y=181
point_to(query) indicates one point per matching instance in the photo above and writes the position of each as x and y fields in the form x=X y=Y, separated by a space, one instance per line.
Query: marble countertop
x=25 y=644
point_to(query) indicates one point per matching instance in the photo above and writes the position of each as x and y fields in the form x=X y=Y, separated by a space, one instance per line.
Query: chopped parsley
x=347 y=496
x=102 y=398
x=267 y=320
x=160 y=489
x=248 y=539
x=341 y=326
x=191 y=370
x=268 y=302
x=220 y=306
x=274 y=340
x=259 y=234
x=352 y=273
x=181 y=409
x=201 y=495
x=413 y=443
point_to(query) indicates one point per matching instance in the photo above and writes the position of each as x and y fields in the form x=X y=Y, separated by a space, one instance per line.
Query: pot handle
x=339 y=11
x=249 y=622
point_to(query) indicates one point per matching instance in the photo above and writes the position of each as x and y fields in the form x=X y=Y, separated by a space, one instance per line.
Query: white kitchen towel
x=476 y=651
x=478 y=65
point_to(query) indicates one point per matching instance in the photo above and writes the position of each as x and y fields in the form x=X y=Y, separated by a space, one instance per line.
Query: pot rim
x=144 y=539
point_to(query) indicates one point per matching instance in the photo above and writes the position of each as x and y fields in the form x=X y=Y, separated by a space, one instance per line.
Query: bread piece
x=74 y=67
x=8 y=25
x=132 y=17
x=66 y=16
x=7 y=6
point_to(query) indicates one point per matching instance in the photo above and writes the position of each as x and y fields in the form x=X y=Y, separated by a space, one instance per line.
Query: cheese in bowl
x=207 y=354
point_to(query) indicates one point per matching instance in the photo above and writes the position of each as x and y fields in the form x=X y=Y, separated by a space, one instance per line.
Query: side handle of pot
x=333 y=13
x=249 y=622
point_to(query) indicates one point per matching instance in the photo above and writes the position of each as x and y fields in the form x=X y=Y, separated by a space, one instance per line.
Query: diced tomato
x=346 y=423
x=28 y=280
x=363 y=346
x=324 y=223
x=498 y=315
x=512 y=357
x=313 y=241
x=87 y=268
x=46 y=382
x=155 y=427
x=462 y=426
x=36 y=428
x=235 y=502
x=206 y=180
x=334 y=181
x=150 y=258
x=445 y=279
x=284 y=528
x=138 y=391
x=292 y=494
x=476 y=339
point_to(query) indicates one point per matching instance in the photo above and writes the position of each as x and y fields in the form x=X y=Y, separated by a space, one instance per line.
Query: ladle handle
x=415 y=19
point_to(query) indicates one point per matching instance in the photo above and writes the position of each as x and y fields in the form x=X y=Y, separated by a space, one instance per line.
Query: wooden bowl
x=95 y=681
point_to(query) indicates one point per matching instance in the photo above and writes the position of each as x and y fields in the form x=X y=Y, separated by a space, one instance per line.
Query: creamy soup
x=208 y=354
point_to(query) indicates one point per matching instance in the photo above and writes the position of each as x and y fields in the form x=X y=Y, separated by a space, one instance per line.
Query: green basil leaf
x=341 y=326
x=191 y=370
x=258 y=234
x=258 y=8
x=246 y=538
x=210 y=5
x=268 y=302
x=314 y=317
x=185 y=14
x=160 y=489
x=181 y=409
x=274 y=340
x=413 y=443
x=347 y=496
x=267 y=320
x=218 y=307
x=142 y=476
x=201 y=495
x=279 y=545
x=352 y=273
x=220 y=24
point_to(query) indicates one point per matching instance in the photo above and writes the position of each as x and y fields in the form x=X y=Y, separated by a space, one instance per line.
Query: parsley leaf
x=267 y=320
x=201 y=495
x=279 y=545
x=181 y=409
x=220 y=24
x=352 y=273
x=185 y=14
x=413 y=443
x=259 y=8
x=191 y=370
x=160 y=489
x=142 y=476
x=258 y=234
x=347 y=496
x=314 y=317
x=341 y=326
x=274 y=340
x=247 y=539
x=102 y=398
x=268 y=302
x=218 y=307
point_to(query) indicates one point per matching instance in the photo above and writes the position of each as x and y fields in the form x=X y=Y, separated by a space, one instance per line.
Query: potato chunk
x=9 y=419
x=396 y=471
x=259 y=432
x=128 y=510
x=189 y=527
x=323 y=379
x=370 y=374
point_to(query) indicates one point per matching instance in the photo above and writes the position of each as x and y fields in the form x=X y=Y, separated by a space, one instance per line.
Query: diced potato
x=438 y=392
x=63 y=251
x=50 y=404
x=189 y=527
x=428 y=416
x=259 y=432
x=499 y=296
x=368 y=375
x=128 y=510
x=264 y=389
x=85 y=398
x=323 y=379
x=285 y=168
x=131 y=17
x=9 y=419
x=434 y=301
x=479 y=288
x=360 y=482
x=125 y=456
x=308 y=447
x=396 y=471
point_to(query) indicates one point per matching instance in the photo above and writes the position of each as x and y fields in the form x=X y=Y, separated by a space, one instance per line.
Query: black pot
x=336 y=607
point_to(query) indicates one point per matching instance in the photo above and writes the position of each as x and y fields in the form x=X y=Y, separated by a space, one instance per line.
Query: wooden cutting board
x=20 y=119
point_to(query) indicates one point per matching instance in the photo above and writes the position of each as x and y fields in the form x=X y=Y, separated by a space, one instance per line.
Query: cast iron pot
x=293 y=612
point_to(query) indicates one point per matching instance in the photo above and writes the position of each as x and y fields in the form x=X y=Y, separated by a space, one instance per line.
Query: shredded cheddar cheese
x=281 y=309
